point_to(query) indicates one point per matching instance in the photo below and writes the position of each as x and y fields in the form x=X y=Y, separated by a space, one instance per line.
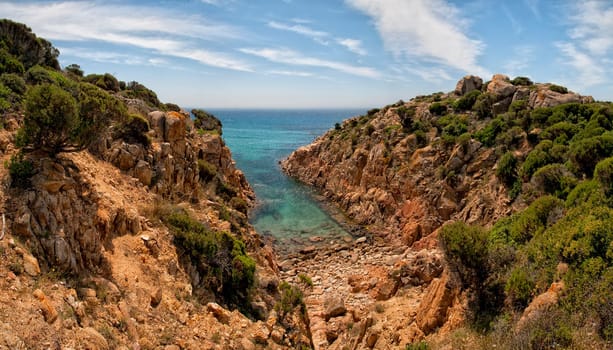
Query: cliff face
x=405 y=170
x=141 y=241
x=404 y=184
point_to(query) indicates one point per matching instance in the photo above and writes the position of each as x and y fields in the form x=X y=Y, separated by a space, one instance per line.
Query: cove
x=259 y=139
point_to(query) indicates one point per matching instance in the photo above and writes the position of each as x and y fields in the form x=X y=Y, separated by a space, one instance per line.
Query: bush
x=483 y=105
x=291 y=297
x=604 y=174
x=20 y=170
x=466 y=248
x=535 y=160
x=466 y=102
x=586 y=153
x=554 y=179
x=97 y=109
x=437 y=108
x=487 y=135
x=541 y=214
x=134 y=130
x=522 y=81
x=225 y=191
x=407 y=116
x=519 y=288
x=558 y=88
x=422 y=345
x=206 y=121
x=104 y=81
x=9 y=63
x=51 y=119
x=139 y=91
x=220 y=258
x=506 y=170
x=206 y=170
x=14 y=82
x=239 y=204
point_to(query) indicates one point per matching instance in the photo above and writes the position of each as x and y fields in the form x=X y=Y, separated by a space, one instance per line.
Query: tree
x=51 y=119
x=74 y=69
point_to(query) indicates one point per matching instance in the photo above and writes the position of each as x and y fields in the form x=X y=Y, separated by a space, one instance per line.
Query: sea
x=286 y=210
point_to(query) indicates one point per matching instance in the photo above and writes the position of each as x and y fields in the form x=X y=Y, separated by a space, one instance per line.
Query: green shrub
x=139 y=91
x=206 y=121
x=226 y=191
x=422 y=345
x=542 y=213
x=588 y=192
x=522 y=81
x=291 y=297
x=39 y=75
x=604 y=174
x=134 y=129
x=10 y=64
x=20 y=170
x=554 y=179
x=560 y=132
x=488 y=134
x=206 y=170
x=483 y=105
x=466 y=248
x=239 y=204
x=437 y=108
x=506 y=170
x=558 y=88
x=51 y=119
x=407 y=116
x=304 y=278
x=14 y=82
x=535 y=160
x=74 y=69
x=104 y=81
x=517 y=106
x=519 y=288
x=586 y=153
x=539 y=116
x=97 y=109
x=220 y=258
x=466 y=102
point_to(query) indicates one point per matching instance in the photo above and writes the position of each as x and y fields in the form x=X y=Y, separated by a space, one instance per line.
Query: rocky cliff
x=140 y=241
x=474 y=155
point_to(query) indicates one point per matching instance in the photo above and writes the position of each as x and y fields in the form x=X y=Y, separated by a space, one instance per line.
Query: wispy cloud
x=533 y=5
x=156 y=29
x=426 y=30
x=352 y=45
x=520 y=61
x=517 y=27
x=590 y=41
x=590 y=71
x=317 y=35
x=291 y=57
x=291 y=73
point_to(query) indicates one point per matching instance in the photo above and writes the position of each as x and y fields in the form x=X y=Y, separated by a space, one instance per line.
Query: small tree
x=50 y=121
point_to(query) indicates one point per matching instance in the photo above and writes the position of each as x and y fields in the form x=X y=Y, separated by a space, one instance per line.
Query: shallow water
x=259 y=139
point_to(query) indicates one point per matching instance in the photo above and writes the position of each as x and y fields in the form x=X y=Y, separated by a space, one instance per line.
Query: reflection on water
x=259 y=140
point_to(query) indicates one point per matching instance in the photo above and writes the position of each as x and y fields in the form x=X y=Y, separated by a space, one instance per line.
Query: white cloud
x=533 y=5
x=158 y=30
x=290 y=57
x=291 y=73
x=520 y=61
x=590 y=43
x=593 y=25
x=590 y=72
x=353 y=45
x=299 y=29
x=427 y=30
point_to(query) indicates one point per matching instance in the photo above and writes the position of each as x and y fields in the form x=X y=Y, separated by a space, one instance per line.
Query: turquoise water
x=259 y=139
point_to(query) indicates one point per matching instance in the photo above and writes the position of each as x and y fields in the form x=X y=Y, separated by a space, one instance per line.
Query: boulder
x=174 y=127
x=544 y=97
x=432 y=311
x=157 y=121
x=91 y=339
x=501 y=87
x=49 y=312
x=468 y=84
x=334 y=306
x=143 y=172
x=542 y=301
x=221 y=314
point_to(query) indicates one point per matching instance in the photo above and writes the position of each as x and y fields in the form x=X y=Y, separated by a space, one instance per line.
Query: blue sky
x=326 y=53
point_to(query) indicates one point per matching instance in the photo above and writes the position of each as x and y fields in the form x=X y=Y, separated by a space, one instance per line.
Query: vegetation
x=20 y=170
x=219 y=257
x=291 y=298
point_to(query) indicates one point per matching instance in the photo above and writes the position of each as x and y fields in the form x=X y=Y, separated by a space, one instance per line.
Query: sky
x=326 y=53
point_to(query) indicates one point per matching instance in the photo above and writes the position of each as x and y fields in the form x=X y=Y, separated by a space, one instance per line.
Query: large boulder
x=501 y=87
x=545 y=97
x=468 y=84
x=175 y=127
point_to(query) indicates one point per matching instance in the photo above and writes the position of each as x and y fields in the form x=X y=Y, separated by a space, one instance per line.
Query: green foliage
x=422 y=345
x=466 y=248
x=558 y=88
x=220 y=258
x=5 y=94
x=554 y=179
x=517 y=106
x=304 y=278
x=206 y=170
x=51 y=118
x=20 y=170
x=466 y=102
x=437 y=108
x=206 y=121
x=104 y=81
x=407 y=116
x=97 y=109
x=239 y=204
x=586 y=192
x=542 y=213
x=337 y=126
x=14 y=82
x=483 y=105
x=488 y=134
x=604 y=174
x=22 y=44
x=74 y=69
x=585 y=154
x=10 y=64
x=536 y=159
x=226 y=191
x=39 y=75
x=522 y=81
x=506 y=170
x=291 y=298
x=519 y=288
x=139 y=91
x=133 y=130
